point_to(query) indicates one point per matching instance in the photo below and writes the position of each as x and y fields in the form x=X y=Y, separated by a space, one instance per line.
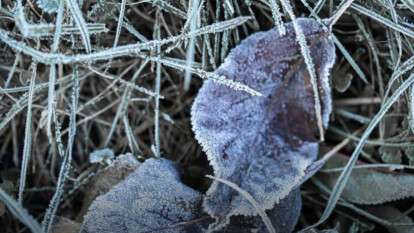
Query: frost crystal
x=264 y=144
x=152 y=199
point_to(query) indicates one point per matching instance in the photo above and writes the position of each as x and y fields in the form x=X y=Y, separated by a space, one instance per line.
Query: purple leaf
x=263 y=144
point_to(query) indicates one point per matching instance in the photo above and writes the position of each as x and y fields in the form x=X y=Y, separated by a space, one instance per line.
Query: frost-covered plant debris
x=79 y=76
x=263 y=144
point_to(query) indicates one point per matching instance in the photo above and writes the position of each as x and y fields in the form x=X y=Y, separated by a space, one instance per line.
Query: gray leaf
x=263 y=144
x=369 y=185
x=151 y=199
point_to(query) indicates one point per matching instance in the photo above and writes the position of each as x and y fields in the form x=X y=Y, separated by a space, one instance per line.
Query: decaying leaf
x=263 y=143
x=151 y=199
x=369 y=185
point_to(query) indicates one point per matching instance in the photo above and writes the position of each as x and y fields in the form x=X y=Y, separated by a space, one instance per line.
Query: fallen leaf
x=151 y=199
x=369 y=185
x=264 y=143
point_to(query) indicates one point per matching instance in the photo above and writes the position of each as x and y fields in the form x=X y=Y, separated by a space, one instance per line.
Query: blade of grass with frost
x=206 y=75
x=165 y=6
x=343 y=6
x=339 y=45
x=127 y=83
x=381 y=19
x=124 y=103
x=350 y=60
x=27 y=149
x=411 y=108
x=229 y=7
x=225 y=39
x=20 y=19
x=277 y=16
x=194 y=5
x=374 y=52
x=130 y=28
x=343 y=178
x=118 y=30
x=29 y=30
x=226 y=35
x=23 y=100
x=9 y=78
x=318 y=7
x=46 y=30
x=394 y=15
x=64 y=81
x=309 y=65
x=398 y=72
x=157 y=88
x=125 y=50
x=19 y=212
x=80 y=21
x=217 y=35
x=132 y=142
x=120 y=22
x=12 y=71
x=15 y=109
x=52 y=72
x=65 y=167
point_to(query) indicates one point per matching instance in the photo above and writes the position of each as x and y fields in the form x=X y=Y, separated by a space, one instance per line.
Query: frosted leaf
x=151 y=199
x=264 y=144
x=369 y=186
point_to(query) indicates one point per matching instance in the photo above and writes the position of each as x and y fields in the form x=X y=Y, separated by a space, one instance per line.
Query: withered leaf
x=151 y=199
x=370 y=185
x=263 y=144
